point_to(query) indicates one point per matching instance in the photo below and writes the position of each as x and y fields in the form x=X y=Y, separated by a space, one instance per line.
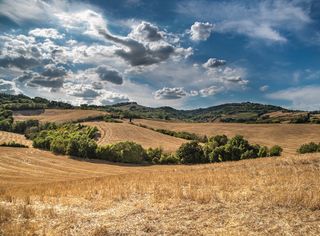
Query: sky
x=181 y=53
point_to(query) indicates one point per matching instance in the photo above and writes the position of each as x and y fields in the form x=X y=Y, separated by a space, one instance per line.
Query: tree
x=190 y=153
x=275 y=151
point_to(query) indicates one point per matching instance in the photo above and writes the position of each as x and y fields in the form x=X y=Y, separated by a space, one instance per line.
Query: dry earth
x=58 y=115
x=288 y=136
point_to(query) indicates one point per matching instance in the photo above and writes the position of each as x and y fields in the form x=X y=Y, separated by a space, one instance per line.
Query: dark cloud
x=108 y=74
x=54 y=71
x=34 y=79
x=86 y=93
x=136 y=53
x=170 y=93
x=214 y=62
x=20 y=62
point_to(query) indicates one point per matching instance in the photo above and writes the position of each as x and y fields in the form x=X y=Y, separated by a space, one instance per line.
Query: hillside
x=44 y=194
x=288 y=136
x=245 y=112
x=117 y=132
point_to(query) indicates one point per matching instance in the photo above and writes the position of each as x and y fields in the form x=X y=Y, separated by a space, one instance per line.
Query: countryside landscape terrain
x=149 y=117
x=43 y=193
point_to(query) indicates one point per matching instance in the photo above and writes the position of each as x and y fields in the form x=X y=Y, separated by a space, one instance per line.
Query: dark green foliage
x=263 y=151
x=70 y=139
x=13 y=144
x=191 y=153
x=275 y=151
x=21 y=102
x=126 y=152
x=169 y=159
x=154 y=155
x=220 y=140
x=21 y=126
x=309 y=148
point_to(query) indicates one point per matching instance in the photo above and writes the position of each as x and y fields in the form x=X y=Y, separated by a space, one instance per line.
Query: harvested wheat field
x=57 y=115
x=116 y=132
x=43 y=194
x=288 y=136
x=6 y=137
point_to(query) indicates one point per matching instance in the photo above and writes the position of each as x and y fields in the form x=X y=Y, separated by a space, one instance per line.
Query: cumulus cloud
x=170 y=93
x=109 y=98
x=34 y=79
x=109 y=74
x=255 y=19
x=46 y=33
x=146 y=31
x=201 y=31
x=138 y=54
x=304 y=98
x=212 y=90
x=213 y=62
x=52 y=70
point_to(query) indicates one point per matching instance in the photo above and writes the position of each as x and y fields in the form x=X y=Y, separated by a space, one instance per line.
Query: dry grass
x=253 y=197
x=116 y=132
x=6 y=137
x=288 y=136
x=58 y=115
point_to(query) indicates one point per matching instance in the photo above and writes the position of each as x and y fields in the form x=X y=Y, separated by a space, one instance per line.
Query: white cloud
x=264 y=88
x=212 y=90
x=46 y=33
x=201 y=31
x=266 y=19
x=213 y=62
x=8 y=87
x=305 y=98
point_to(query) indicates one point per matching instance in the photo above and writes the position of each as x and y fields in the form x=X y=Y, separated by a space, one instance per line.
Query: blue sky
x=185 y=53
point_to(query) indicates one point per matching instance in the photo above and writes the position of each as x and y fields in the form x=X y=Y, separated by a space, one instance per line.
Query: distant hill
x=246 y=112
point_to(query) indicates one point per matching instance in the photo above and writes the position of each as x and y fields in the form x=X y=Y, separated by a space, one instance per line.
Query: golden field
x=56 y=115
x=288 y=136
x=46 y=194
x=117 y=132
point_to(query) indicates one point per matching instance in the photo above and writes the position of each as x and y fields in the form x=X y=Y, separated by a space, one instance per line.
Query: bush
x=154 y=155
x=129 y=152
x=219 y=139
x=308 y=148
x=263 y=151
x=169 y=159
x=190 y=153
x=21 y=126
x=13 y=144
x=106 y=153
x=275 y=151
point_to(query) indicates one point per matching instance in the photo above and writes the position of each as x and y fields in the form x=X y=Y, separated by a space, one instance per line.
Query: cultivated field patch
x=58 y=115
x=288 y=136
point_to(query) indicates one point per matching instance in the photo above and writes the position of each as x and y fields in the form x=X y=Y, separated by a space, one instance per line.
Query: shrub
x=129 y=152
x=219 y=139
x=218 y=154
x=21 y=126
x=190 y=153
x=275 y=151
x=169 y=159
x=13 y=144
x=263 y=151
x=308 y=148
x=106 y=153
x=154 y=155
x=58 y=145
